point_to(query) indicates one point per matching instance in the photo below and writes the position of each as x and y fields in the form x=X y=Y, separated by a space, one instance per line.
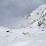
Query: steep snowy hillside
x=38 y=16
x=35 y=18
x=30 y=31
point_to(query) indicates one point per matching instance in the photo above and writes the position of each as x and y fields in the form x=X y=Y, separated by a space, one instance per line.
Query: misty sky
x=11 y=11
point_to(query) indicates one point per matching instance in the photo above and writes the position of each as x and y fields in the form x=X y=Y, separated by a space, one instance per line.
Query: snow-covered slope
x=28 y=37
x=23 y=37
x=3 y=34
x=38 y=16
x=35 y=18
x=30 y=31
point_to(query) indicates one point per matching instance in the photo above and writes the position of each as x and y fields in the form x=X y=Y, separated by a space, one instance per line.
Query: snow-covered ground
x=31 y=31
x=23 y=37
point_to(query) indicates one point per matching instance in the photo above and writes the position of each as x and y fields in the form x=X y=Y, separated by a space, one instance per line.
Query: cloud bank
x=11 y=11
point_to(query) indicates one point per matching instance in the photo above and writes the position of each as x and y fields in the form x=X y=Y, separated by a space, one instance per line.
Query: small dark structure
x=8 y=31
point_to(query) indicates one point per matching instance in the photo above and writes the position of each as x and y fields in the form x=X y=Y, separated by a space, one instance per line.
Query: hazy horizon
x=11 y=11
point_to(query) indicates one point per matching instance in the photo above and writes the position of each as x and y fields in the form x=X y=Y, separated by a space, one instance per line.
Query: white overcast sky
x=13 y=10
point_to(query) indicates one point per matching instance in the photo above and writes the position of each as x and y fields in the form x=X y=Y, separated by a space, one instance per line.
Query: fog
x=11 y=11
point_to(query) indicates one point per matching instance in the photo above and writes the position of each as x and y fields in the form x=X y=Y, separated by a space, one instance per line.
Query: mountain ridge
x=38 y=16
